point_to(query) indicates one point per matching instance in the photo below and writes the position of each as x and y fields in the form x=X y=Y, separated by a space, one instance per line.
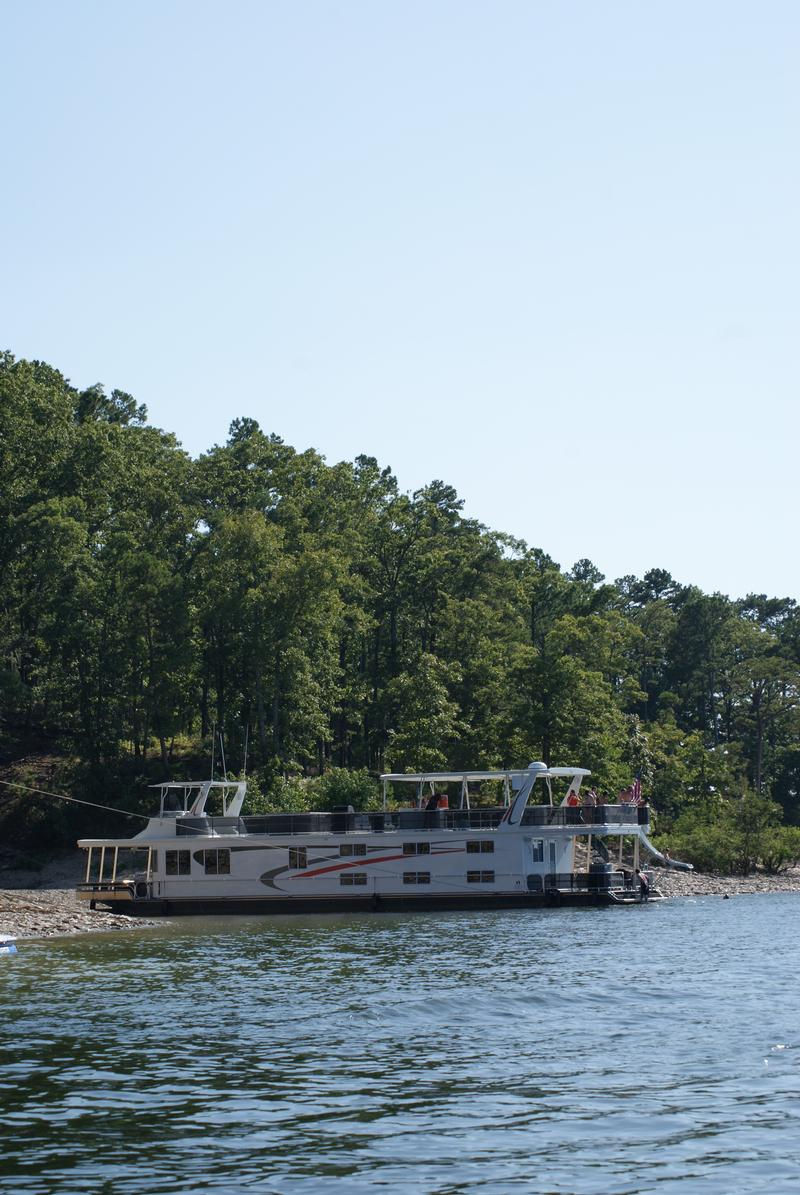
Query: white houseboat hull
x=513 y=855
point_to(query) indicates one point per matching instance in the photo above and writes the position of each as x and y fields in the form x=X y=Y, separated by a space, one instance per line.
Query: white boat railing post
x=88 y=866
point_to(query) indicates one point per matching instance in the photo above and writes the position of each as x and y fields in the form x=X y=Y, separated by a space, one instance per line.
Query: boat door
x=552 y=857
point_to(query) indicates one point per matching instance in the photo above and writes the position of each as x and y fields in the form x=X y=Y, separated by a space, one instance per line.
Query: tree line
x=149 y=600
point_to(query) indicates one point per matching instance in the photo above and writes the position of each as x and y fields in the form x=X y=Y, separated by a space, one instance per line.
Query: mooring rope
x=74 y=800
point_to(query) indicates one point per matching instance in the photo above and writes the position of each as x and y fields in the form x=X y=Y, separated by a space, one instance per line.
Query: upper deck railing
x=407 y=820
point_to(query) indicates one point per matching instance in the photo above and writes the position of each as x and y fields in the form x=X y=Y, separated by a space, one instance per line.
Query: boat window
x=352 y=848
x=416 y=848
x=416 y=877
x=178 y=863
x=217 y=863
x=480 y=877
x=298 y=857
x=537 y=850
x=483 y=846
x=353 y=879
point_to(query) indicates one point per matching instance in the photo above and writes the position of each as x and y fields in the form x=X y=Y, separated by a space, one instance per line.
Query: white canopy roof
x=454 y=777
x=182 y=784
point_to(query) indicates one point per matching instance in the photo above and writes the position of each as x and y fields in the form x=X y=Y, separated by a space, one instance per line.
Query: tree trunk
x=262 y=719
x=204 y=717
x=276 y=722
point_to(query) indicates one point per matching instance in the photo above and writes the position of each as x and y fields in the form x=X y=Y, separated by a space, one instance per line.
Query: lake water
x=602 y=1051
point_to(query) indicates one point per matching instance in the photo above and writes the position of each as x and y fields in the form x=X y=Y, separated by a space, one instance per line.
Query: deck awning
x=459 y=777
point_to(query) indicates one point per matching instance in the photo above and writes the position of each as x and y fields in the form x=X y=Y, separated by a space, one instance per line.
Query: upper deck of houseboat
x=183 y=808
x=404 y=820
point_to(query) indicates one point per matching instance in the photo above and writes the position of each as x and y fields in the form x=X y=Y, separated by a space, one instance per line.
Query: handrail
x=586 y=815
x=588 y=881
x=412 y=820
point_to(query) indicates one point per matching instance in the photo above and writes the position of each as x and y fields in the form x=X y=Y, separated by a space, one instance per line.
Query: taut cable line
x=73 y=800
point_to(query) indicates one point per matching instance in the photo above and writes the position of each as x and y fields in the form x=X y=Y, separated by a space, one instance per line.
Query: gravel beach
x=695 y=883
x=43 y=904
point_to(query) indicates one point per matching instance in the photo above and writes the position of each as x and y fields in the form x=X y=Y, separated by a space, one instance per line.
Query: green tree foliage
x=735 y=836
x=344 y=627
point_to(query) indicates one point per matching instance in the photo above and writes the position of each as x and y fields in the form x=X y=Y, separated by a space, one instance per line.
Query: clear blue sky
x=547 y=252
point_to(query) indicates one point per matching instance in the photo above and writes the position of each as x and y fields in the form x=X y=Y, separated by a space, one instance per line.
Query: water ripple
x=582 y=1052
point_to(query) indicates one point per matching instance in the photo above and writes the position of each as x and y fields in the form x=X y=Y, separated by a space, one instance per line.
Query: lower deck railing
x=583 y=881
x=116 y=889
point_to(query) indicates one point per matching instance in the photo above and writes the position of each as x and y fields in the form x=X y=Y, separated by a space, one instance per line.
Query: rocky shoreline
x=694 y=883
x=56 y=913
x=43 y=904
x=40 y=901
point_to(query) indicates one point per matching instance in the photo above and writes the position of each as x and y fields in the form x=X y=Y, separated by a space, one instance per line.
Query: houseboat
x=490 y=839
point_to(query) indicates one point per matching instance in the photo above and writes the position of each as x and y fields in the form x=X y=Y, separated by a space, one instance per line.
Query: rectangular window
x=217 y=863
x=483 y=846
x=353 y=879
x=298 y=857
x=416 y=848
x=178 y=863
x=352 y=848
x=416 y=877
x=537 y=850
x=480 y=877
